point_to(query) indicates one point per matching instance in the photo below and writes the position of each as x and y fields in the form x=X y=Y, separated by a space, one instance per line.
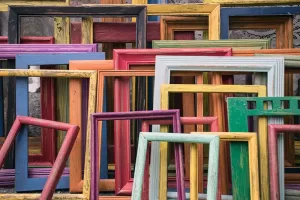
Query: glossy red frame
x=127 y=189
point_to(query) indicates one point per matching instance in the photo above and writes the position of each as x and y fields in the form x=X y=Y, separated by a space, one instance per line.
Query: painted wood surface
x=4 y=5
x=30 y=40
x=220 y=64
x=123 y=172
x=252 y=2
x=77 y=156
x=145 y=137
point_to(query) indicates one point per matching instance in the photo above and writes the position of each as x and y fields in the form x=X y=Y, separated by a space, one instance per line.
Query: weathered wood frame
x=274 y=67
x=123 y=177
x=62 y=157
x=92 y=75
x=6 y=3
x=213 y=163
x=193 y=88
x=274 y=109
x=79 y=117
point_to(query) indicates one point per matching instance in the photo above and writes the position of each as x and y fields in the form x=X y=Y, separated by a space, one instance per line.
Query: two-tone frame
x=273 y=67
x=92 y=76
x=213 y=162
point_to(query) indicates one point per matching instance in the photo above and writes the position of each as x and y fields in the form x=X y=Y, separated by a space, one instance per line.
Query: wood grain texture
x=212 y=140
x=76 y=181
x=164 y=67
x=5 y=4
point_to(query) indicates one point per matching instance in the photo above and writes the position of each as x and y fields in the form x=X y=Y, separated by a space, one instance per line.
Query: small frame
x=123 y=176
x=238 y=113
x=92 y=75
x=194 y=88
x=213 y=163
x=138 y=11
x=6 y=3
x=63 y=154
x=273 y=67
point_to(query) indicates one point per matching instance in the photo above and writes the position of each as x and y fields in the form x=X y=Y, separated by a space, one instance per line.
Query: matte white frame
x=274 y=67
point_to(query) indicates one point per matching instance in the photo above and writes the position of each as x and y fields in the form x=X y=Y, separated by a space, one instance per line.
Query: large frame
x=180 y=88
x=274 y=67
x=237 y=107
x=92 y=75
x=62 y=157
x=213 y=162
x=123 y=176
x=78 y=96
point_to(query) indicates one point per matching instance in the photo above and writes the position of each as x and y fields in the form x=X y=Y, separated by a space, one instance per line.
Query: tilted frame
x=274 y=67
x=213 y=163
x=194 y=88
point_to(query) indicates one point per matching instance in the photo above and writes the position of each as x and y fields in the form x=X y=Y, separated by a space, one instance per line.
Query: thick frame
x=275 y=109
x=138 y=11
x=274 y=67
x=9 y=51
x=23 y=61
x=92 y=75
x=6 y=3
x=63 y=154
x=185 y=88
x=77 y=91
x=123 y=176
x=213 y=163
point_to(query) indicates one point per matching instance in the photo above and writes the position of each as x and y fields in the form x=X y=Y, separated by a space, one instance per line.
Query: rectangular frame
x=274 y=67
x=194 y=88
x=240 y=104
x=92 y=75
x=213 y=164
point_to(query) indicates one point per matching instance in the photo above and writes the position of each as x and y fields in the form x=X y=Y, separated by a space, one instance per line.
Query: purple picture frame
x=153 y=114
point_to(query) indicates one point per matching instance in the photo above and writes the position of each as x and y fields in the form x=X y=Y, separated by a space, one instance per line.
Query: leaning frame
x=213 y=162
x=194 y=88
x=274 y=67
x=92 y=75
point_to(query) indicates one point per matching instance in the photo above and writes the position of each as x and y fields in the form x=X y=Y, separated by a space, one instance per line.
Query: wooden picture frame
x=9 y=51
x=79 y=117
x=4 y=5
x=212 y=140
x=194 y=88
x=122 y=177
x=62 y=157
x=92 y=75
x=274 y=109
x=30 y=40
x=166 y=64
x=23 y=61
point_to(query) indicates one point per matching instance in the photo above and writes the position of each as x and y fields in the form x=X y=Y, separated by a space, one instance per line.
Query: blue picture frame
x=23 y=61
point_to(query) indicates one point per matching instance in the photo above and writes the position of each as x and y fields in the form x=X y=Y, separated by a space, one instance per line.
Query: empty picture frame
x=92 y=75
x=273 y=67
x=79 y=117
x=194 y=88
x=238 y=113
x=213 y=162
x=138 y=11
x=123 y=176
x=63 y=154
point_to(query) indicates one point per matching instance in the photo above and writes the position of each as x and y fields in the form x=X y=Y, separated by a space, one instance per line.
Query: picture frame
x=212 y=140
x=92 y=75
x=166 y=89
x=62 y=157
x=78 y=98
x=274 y=103
x=165 y=64
x=30 y=40
x=122 y=178
x=23 y=61
x=9 y=51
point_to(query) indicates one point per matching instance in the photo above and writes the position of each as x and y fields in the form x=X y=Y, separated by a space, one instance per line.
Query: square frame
x=212 y=140
x=260 y=110
x=194 y=88
x=23 y=61
x=274 y=67
x=92 y=75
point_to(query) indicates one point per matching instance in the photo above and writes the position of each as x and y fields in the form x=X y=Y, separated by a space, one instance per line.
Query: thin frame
x=274 y=67
x=194 y=88
x=92 y=75
x=213 y=163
